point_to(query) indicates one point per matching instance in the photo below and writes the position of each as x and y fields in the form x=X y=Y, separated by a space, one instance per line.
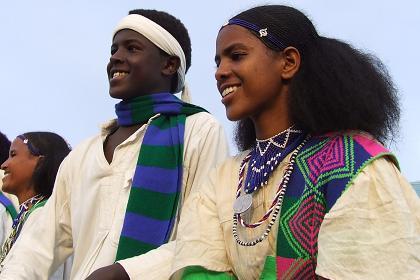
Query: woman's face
x=18 y=168
x=248 y=76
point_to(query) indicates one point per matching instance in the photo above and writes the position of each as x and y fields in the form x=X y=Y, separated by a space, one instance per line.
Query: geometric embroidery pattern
x=325 y=166
x=328 y=160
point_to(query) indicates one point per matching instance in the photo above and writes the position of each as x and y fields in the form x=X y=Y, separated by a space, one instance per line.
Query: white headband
x=158 y=36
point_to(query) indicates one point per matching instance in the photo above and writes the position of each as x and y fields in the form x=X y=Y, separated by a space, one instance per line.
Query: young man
x=118 y=195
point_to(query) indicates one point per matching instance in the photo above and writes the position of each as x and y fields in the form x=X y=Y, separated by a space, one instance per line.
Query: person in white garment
x=8 y=202
x=29 y=174
x=119 y=194
x=314 y=194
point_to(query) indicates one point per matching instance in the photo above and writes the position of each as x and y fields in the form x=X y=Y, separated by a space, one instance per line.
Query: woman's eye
x=237 y=56
x=113 y=51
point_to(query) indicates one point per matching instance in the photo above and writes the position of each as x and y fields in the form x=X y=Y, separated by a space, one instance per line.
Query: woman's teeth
x=228 y=91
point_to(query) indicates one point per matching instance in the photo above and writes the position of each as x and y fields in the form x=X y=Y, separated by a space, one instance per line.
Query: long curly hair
x=336 y=88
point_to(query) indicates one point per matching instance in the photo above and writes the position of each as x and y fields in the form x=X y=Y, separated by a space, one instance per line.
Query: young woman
x=314 y=191
x=29 y=174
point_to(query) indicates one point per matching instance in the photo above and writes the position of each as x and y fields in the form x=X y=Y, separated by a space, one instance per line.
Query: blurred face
x=18 y=168
x=135 y=66
x=248 y=75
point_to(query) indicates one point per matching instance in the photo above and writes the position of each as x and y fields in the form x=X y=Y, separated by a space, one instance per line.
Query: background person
x=29 y=174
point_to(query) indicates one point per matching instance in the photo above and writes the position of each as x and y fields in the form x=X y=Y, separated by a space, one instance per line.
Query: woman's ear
x=291 y=57
x=171 y=65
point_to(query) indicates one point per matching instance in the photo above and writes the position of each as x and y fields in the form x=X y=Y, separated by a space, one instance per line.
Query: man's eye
x=133 y=48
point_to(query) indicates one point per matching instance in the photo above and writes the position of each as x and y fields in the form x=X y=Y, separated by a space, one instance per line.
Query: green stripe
x=129 y=247
x=146 y=110
x=12 y=211
x=270 y=269
x=156 y=205
x=200 y=273
x=166 y=122
x=160 y=156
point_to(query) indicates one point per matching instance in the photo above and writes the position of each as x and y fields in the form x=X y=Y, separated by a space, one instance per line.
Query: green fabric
x=269 y=272
x=200 y=273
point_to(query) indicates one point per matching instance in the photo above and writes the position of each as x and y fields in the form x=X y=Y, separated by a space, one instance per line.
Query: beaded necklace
x=264 y=158
x=18 y=224
x=275 y=206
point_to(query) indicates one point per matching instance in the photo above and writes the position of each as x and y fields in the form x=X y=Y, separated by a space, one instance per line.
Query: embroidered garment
x=374 y=189
x=325 y=168
x=25 y=209
x=153 y=200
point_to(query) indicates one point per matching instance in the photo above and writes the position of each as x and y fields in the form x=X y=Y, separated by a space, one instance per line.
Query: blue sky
x=54 y=55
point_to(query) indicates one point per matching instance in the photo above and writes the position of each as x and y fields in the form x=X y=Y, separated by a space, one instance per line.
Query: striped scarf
x=157 y=180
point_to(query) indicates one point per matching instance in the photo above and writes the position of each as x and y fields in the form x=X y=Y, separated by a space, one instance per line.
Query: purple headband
x=263 y=32
x=31 y=147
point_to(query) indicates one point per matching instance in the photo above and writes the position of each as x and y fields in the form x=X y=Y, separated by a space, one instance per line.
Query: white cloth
x=32 y=221
x=159 y=37
x=85 y=213
x=5 y=223
x=6 y=220
x=372 y=232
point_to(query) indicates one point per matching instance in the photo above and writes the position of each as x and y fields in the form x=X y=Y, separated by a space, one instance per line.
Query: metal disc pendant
x=242 y=203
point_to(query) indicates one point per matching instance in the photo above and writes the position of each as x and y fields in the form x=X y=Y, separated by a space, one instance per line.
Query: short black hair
x=336 y=88
x=53 y=149
x=175 y=27
x=4 y=148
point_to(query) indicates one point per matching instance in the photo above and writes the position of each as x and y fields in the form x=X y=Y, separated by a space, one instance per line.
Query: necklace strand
x=275 y=206
x=267 y=155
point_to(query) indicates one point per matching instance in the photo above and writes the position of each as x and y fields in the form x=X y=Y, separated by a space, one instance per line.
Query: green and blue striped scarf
x=157 y=180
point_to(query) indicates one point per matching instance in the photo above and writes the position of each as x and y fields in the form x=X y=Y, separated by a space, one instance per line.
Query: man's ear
x=171 y=65
x=291 y=63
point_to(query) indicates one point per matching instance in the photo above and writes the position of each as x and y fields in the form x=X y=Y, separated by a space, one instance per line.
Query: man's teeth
x=228 y=90
x=119 y=74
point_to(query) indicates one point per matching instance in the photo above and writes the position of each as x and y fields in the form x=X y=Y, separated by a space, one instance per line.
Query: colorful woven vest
x=8 y=205
x=326 y=166
x=157 y=180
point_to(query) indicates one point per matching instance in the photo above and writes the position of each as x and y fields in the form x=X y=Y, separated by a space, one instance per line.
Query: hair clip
x=263 y=32
x=31 y=147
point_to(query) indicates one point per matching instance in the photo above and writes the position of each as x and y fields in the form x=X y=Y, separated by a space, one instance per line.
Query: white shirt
x=85 y=213
x=5 y=218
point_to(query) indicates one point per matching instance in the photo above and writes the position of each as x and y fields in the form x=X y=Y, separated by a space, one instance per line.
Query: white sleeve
x=45 y=240
x=373 y=230
x=205 y=147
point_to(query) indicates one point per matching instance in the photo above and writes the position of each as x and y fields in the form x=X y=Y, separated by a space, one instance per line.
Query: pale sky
x=54 y=55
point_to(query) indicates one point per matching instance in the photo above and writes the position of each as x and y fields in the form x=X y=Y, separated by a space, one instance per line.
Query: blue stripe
x=5 y=201
x=157 y=179
x=167 y=104
x=124 y=117
x=139 y=228
x=160 y=136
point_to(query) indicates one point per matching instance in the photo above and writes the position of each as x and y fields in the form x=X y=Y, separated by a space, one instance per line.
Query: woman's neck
x=22 y=197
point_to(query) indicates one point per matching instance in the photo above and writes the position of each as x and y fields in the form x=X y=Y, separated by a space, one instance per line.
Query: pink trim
x=370 y=145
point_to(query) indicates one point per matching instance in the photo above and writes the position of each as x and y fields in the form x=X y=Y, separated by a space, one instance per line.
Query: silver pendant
x=242 y=203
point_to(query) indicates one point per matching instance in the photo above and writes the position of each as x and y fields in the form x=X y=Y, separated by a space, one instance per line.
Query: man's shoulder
x=202 y=120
